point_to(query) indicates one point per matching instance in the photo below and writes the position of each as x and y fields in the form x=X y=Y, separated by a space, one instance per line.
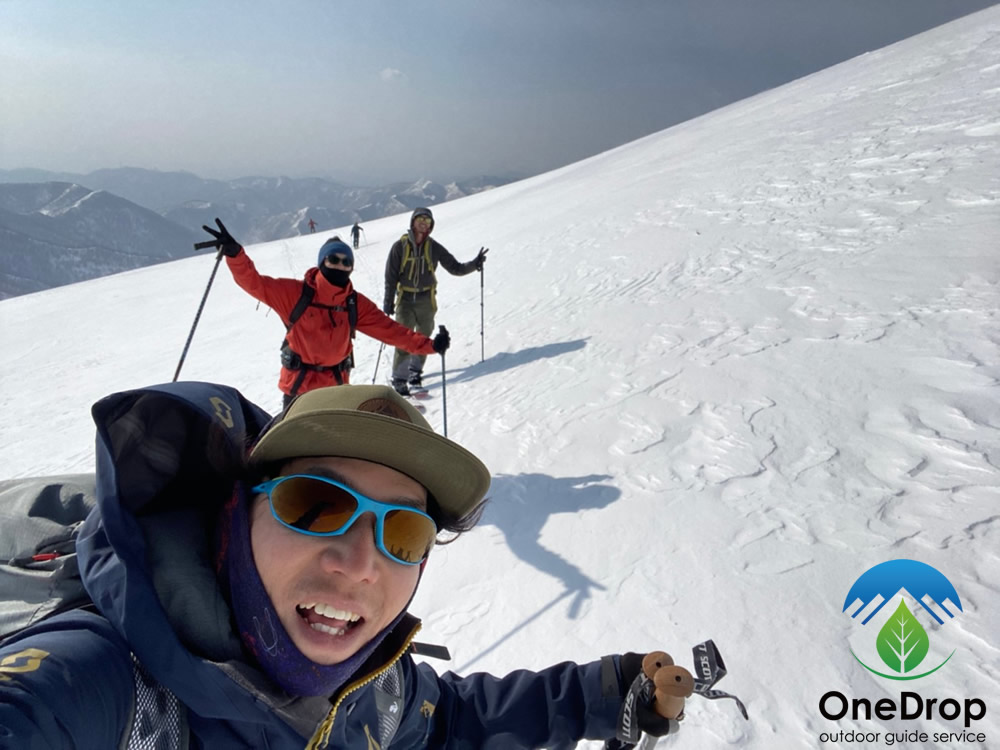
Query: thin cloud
x=391 y=74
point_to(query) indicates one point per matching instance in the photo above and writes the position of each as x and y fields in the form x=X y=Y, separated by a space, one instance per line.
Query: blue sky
x=375 y=91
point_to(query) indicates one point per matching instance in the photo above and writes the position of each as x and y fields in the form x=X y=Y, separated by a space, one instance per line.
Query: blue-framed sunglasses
x=319 y=506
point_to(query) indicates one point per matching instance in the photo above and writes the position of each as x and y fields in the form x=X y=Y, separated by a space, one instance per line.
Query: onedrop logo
x=902 y=643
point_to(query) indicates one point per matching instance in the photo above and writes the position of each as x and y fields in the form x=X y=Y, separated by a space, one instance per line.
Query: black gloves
x=225 y=242
x=480 y=259
x=442 y=341
x=389 y=308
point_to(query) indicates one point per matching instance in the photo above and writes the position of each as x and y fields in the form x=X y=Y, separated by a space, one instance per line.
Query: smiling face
x=421 y=228
x=334 y=594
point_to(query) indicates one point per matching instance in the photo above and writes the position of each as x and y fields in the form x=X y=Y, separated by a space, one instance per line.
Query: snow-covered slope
x=729 y=367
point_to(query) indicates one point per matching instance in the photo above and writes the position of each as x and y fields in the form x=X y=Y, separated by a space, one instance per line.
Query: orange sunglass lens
x=408 y=535
x=311 y=505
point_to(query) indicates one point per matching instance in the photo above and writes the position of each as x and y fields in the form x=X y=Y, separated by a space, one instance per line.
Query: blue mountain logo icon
x=886 y=579
x=903 y=642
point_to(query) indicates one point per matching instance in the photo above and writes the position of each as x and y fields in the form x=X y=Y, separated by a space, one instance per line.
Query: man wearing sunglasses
x=259 y=597
x=411 y=290
x=321 y=313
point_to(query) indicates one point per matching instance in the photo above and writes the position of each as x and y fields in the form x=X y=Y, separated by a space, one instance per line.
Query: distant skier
x=356 y=231
x=411 y=289
x=321 y=313
x=312 y=226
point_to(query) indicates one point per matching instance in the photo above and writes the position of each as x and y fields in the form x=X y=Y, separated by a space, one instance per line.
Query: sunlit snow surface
x=729 y=367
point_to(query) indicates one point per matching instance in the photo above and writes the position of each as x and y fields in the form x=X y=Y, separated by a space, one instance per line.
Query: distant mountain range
x=60 y=228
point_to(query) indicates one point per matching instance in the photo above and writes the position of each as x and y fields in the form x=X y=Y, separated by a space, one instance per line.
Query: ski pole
x=444 y=392
x=482 y=319
x=377 y=361
x=218 y=259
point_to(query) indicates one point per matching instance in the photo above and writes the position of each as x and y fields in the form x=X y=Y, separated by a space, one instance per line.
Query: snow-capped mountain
x=104 y=229
x=56 y=233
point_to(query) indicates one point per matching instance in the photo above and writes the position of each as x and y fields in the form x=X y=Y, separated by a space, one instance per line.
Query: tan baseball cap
x=374 y=423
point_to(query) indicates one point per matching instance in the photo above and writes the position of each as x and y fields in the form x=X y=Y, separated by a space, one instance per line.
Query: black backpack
x=306 y=298
x=292 y=360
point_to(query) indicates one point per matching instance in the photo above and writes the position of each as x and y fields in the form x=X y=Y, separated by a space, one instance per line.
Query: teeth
x=327 y=629
x=332 y=612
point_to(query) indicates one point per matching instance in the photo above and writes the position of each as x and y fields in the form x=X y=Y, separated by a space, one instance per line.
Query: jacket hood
x=167 y=457
x=422 y=212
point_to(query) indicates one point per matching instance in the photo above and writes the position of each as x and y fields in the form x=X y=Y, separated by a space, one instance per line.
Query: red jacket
x=322 y=336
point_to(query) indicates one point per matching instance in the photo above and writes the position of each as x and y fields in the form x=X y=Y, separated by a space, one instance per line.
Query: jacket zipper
x=322 y=735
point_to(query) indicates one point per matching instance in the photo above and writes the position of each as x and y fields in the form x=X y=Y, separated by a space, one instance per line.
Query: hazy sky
x=370 y=91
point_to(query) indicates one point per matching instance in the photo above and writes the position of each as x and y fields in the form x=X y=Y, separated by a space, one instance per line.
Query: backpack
x=293 y=361
x=410 y=257
x=40 y=577
x=306 y=298
x=39 y=523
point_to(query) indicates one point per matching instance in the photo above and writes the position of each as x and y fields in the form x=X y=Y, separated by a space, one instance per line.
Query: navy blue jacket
x=167 y=457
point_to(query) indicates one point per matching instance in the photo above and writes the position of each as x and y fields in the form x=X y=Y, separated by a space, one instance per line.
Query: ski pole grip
x=205 y=245
x=673 y=684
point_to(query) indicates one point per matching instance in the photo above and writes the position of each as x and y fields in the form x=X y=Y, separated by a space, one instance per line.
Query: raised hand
x=224 y=241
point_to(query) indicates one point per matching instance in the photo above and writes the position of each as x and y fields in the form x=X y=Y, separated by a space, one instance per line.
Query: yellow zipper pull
x=322 y=736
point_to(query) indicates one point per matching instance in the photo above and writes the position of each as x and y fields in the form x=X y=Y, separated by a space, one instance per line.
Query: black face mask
x=336 y=276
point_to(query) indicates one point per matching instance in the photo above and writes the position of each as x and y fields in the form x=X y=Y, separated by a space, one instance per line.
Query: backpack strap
x=390 y=692
x=389 y=698
x=159 y=719
x=407 y=258
x=305 y=298
x=352 y=311
x=293 y=361
x=410 y=256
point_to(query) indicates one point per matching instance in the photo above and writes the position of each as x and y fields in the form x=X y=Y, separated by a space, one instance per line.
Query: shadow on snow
x=519 y=507
x=502 y=362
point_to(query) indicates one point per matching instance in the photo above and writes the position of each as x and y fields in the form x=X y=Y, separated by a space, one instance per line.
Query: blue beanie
x=335 y=246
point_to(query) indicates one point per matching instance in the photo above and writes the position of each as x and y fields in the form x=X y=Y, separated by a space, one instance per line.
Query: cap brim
x=454 y=476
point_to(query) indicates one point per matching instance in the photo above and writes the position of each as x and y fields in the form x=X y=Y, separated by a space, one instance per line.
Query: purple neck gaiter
x=259 y=627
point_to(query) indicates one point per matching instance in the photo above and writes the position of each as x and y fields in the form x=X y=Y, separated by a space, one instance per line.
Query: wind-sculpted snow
x=728 y=368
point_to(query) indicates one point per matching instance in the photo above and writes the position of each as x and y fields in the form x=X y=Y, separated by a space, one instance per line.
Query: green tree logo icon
x=902 y=642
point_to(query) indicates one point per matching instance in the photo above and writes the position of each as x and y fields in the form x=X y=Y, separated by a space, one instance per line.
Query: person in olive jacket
x=411 y=290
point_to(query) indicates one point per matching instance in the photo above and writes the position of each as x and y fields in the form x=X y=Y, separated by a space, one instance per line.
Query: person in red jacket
x=317 y=311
